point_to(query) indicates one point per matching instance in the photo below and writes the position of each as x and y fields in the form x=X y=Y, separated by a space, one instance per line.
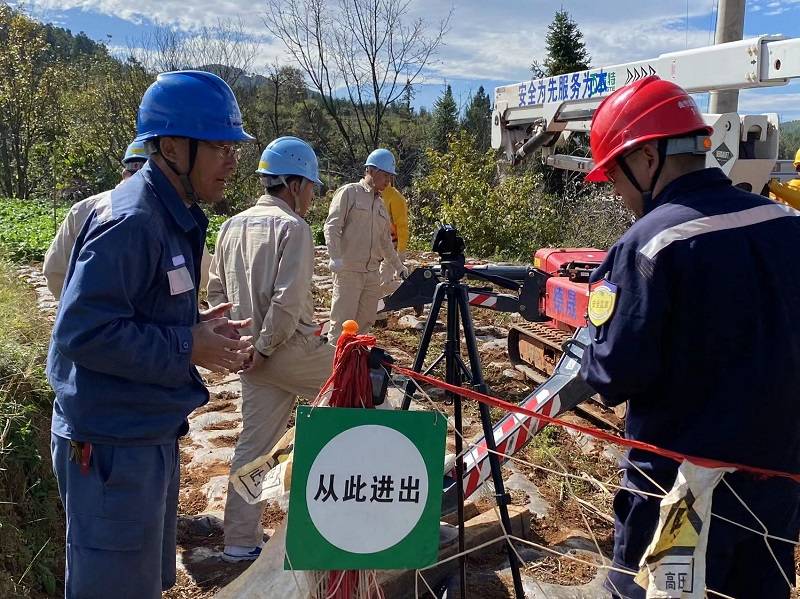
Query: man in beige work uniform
x=56 y=260
x=263 y=265
x=357 y=232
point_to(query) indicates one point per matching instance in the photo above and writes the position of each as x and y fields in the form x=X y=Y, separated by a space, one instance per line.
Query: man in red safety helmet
x=694 y=322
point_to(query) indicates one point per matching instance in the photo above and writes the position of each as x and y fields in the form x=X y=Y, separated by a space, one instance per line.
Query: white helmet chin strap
x=282 y=179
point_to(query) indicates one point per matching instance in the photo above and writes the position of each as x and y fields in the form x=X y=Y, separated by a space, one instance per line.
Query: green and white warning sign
x=366 y=489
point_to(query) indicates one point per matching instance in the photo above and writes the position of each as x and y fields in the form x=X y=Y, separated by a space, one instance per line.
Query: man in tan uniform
x=263 y=265
x=357 y=232
x=56 y=260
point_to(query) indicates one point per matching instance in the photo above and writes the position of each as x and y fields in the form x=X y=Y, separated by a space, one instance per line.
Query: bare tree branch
x=224 y=48
x=360 y=56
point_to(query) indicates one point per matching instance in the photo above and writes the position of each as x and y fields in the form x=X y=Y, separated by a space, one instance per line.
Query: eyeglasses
x=226 y=151
x=317 y=188
x=133 y=166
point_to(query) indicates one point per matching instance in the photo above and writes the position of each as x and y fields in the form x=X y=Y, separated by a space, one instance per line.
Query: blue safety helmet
x=193 y=104
x=136 y=152
x=288 y=156
x=382 y=159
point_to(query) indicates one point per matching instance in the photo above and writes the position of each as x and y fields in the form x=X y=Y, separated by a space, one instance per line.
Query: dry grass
x=31 y=521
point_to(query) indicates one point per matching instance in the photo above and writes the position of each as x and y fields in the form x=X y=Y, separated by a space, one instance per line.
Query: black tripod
x=450 y=248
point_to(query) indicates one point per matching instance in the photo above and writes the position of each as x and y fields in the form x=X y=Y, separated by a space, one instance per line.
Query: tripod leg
x=466 y=373
x=486 y=421
x=452 y=350
x=430 y=325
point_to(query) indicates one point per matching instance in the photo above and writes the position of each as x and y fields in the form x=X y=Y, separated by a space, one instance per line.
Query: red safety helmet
x=644 y=110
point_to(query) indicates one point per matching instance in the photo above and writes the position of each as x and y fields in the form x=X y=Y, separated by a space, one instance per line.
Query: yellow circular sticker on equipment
x=602 y=299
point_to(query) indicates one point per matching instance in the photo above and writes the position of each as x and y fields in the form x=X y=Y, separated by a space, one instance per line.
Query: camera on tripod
x=450 y=247
x=448 y=243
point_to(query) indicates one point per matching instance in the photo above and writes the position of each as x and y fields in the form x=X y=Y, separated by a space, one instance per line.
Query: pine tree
x=445 y=120
x=478 y=119
x=566 y=50
x=406 y=98
x=566 y=53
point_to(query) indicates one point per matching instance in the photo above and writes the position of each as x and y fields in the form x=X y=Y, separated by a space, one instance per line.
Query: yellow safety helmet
x=797 y=158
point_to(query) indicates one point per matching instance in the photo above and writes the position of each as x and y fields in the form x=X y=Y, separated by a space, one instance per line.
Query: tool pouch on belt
x=80 y=452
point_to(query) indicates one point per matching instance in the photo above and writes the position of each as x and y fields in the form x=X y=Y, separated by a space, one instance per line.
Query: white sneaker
x=238 y=553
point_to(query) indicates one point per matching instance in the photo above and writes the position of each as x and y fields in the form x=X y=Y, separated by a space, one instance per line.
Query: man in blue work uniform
x=128 y=337
x=695 y=326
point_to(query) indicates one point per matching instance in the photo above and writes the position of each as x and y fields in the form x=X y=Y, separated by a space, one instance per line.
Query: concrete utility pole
x=730 y=28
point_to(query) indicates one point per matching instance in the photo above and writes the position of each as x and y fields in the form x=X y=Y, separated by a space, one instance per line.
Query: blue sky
x=489 y=43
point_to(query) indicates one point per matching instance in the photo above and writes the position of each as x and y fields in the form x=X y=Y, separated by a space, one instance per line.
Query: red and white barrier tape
x=592 y=432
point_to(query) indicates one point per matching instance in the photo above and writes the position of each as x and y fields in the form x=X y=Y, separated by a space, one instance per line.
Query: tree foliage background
x=566 y=50
x=68 y=106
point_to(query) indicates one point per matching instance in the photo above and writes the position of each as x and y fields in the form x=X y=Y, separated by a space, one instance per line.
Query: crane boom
x=541 y=113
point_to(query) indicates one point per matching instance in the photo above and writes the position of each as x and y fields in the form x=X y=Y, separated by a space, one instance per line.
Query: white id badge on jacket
x=180 y=280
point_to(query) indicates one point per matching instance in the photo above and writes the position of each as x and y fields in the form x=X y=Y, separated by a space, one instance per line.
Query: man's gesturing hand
x=231 y=329
x=216 y=312
x=216 y=345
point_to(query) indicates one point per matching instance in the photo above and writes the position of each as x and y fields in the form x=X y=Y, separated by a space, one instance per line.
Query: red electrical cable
x=349 y=382
x=350 y=387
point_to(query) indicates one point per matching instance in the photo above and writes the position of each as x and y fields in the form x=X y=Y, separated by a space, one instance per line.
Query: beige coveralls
x=263 y=264
x=56 y=260
x=358 y=237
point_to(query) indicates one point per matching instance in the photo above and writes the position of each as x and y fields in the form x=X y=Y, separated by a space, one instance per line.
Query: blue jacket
x=704 y=339
x=119 y=358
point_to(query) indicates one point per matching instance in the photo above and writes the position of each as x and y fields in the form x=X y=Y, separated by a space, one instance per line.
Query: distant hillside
x=233 y=74
x=292 y=80
x=790 y=127
x=69 y=46
x=789 y=140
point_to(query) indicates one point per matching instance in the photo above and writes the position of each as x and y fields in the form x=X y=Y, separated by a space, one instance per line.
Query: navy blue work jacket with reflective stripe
x=119 y=358
x=704 y=340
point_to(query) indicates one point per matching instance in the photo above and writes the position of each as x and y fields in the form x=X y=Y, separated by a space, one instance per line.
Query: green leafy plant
x=505 y=217
x=27 y=228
